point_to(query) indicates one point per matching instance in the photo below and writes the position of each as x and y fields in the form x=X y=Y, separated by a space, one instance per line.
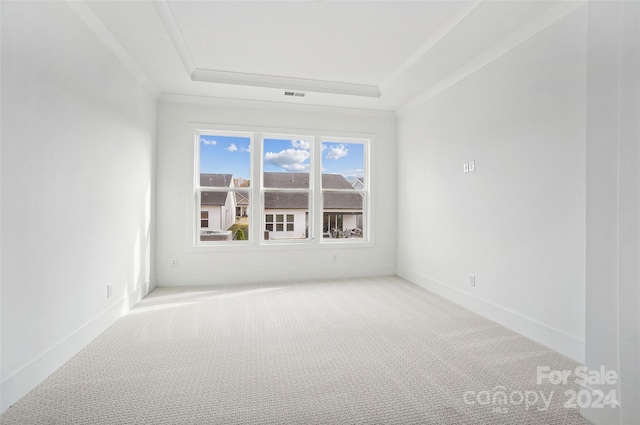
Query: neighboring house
x=217 y=209
x=242 y=204
x=358 y=183
x=287 y=214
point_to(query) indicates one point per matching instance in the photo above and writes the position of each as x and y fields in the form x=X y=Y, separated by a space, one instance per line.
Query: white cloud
x=337 y=152
x=296 y=167
x=301 y=144
x=247 y=149
x=232 y=147
x=210 y=142
x=288 y=159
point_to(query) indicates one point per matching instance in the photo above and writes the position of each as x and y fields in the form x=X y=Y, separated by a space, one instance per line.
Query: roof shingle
x=214 y=180
x=287 y=200
x=275 y=200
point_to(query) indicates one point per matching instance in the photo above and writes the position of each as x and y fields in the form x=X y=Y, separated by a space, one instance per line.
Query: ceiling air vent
x=295 y=93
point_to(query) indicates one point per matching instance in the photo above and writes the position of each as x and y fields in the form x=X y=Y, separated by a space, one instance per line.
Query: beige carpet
x=350 y=351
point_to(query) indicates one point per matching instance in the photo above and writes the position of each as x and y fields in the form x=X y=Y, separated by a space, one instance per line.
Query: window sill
x=282 y=245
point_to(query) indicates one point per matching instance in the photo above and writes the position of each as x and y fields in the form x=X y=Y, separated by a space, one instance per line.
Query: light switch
x=465 y=167
x=472 y=166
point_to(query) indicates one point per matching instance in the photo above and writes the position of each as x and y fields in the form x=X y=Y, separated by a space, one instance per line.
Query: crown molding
x=163 y=8
x=518 y=37
x=433 y=40
x=265 y=104
x=86 y=15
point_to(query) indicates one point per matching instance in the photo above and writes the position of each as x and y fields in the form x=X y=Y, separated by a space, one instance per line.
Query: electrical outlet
x=472 y=280
x=109 y=290
x=335 y=257
x=472 y=166
x=174 y=262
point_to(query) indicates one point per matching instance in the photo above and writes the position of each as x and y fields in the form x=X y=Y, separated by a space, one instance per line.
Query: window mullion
x=257 y=203
x=316 y=203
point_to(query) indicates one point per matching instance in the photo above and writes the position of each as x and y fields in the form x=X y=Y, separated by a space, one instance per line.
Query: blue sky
x=343 y=158
x=230 y=155
x=225 y=155
x=287 y=155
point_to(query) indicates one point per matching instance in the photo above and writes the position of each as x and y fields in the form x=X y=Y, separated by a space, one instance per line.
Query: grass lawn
x=240 y=226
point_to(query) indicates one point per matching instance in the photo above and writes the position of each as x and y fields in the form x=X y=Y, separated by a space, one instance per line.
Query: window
x=223 y=181
x=279 y=223
x=204 y=219
x=343 y=188
x=286 y=181
x=306 y=188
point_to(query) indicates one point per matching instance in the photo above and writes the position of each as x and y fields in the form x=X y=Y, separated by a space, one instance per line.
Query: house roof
x=283 y=200
x=279 y=200
x=214 y=180
x=286 y=180
x=342 y=201
x=241 y=199
x=301 y=181
x=335 y=181
x=334 y=201
x=357 y=181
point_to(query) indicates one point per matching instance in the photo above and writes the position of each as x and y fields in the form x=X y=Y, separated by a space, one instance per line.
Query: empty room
x=320 y=212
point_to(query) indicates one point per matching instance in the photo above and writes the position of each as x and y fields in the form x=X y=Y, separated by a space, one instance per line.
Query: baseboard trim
x=19 y=383
x=553 y=338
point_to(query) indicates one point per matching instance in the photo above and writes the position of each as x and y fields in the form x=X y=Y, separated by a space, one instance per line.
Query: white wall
x=239 y=264
x=613 y=205
x=517 y=222
x=78 y=137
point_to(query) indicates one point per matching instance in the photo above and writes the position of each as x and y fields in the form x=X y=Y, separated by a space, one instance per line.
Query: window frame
x=293 y=135
x=365 y=192
x=256 y=211
x=198 y=189
x=203 y=219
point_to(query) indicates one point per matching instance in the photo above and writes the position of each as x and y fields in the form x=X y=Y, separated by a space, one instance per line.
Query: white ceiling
x=381 y=55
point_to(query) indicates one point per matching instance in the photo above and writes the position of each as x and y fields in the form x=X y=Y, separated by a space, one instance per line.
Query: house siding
x=299 y=224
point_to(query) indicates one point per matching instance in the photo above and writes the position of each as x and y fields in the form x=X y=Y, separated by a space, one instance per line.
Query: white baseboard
x=553 y=338
x=19 y=383
x=284 y=274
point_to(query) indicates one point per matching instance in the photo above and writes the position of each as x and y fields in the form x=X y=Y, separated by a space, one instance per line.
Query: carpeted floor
x=349 y=351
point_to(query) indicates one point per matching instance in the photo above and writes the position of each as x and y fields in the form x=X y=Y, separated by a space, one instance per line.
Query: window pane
x=292 y=205
x=346 y=160
x=269 y=218
x=227 y=214
x=225 y=161
x=286 y=162
x=342 y=215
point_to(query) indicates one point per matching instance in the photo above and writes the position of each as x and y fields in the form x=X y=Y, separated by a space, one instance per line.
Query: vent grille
x=295 y=93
